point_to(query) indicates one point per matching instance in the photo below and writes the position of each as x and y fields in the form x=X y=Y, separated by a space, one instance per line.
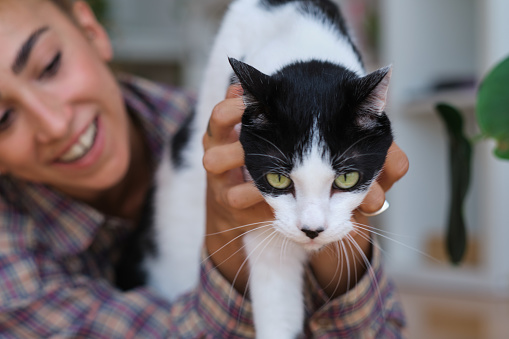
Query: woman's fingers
x=222 y=158
x=244 y=195
x=395 y=167
x=224 y=117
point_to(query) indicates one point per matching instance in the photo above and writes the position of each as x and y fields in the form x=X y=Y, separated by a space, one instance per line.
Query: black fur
x=286 y=107
x=129 y=272
x=323 y=10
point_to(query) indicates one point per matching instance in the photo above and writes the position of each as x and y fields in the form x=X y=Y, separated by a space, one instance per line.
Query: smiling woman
x=78 y=150
x=55 y=87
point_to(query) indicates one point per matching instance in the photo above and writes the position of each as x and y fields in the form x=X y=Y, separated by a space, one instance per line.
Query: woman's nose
x=51 y=117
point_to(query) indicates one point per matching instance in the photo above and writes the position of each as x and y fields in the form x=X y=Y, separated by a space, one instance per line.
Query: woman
x=77 y=152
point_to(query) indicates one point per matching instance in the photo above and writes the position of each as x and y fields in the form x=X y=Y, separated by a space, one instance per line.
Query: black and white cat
x=315 y=137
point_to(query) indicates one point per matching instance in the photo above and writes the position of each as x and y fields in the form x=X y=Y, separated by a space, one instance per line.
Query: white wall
x=426 y=40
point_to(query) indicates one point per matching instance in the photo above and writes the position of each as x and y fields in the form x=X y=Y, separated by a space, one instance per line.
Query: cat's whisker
x=266 y=155
x=397 y=242
x=350 y=147
x=330 y=251
x=347 y=260
x=354 y=258
x=269 y=142
x=341 y=263
x=337 y=162
x=388 y=233
x=229 y=242
x=281 y=170
x=369 y=240
x=369 y=270
x=339 y=268
x=239 y=227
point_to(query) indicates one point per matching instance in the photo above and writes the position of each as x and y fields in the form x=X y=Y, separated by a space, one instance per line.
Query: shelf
x=464 y=99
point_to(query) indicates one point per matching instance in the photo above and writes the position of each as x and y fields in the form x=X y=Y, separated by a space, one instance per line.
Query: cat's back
x=269 y=34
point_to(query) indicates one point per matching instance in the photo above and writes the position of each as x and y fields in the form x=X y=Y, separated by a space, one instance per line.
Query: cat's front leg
x=276 y=283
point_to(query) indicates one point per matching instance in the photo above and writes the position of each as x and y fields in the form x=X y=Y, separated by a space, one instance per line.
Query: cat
x=315 y=136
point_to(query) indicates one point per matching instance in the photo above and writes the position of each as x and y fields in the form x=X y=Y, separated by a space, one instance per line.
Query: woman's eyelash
x=52 y=67
x=50 y=70
x=5 y=119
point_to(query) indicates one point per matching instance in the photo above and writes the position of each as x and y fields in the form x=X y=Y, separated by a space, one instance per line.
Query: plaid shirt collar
x=66 y=226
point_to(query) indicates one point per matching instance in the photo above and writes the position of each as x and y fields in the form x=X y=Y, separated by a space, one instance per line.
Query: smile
x=81 y=147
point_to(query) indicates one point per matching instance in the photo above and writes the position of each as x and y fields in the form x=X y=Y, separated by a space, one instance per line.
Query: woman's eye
x=6 y=119
x=278 y=181
x=52 y=68
x=348 y=180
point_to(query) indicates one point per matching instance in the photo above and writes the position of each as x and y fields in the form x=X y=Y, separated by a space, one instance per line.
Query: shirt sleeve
x=38 y=299
x=371 y=309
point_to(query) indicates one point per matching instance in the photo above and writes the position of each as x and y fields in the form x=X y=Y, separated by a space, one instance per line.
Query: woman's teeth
x=81 y=146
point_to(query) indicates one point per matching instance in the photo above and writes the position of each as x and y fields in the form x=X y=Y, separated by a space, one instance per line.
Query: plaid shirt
x=56 y=266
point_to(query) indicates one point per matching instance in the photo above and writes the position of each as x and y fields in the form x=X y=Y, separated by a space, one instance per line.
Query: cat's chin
x=312 y=246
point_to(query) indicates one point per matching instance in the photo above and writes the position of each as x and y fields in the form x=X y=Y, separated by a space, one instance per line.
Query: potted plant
x=492 y=116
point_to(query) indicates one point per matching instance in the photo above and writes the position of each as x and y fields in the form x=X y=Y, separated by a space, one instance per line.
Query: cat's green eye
x=348 y=180
x=278 y=181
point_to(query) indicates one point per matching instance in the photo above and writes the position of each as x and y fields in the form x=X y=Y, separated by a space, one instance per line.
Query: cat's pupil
x=278 y=181
x=348 y=180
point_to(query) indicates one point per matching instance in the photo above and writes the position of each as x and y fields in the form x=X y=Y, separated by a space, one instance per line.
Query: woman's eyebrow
x=24 y=52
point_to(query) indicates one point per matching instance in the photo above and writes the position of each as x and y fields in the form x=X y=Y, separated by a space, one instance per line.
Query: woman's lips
x=82 y=145
x=88 y=148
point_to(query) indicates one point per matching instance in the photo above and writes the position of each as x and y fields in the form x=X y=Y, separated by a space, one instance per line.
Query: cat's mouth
x=313 y=245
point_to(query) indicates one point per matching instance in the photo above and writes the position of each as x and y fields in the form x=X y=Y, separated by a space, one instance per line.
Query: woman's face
x=62 y=117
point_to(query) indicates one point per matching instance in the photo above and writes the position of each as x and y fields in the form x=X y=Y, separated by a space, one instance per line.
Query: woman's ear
x=92 y=29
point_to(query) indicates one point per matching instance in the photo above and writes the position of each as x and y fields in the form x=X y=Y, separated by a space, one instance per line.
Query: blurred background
x=439 y=50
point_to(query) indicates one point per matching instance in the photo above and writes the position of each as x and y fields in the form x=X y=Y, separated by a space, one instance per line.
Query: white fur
x=267 y=41
x=313 y=207
x=179 y=222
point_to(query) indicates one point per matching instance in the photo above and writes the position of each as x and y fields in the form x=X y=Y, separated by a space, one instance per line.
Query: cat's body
x=316 y=120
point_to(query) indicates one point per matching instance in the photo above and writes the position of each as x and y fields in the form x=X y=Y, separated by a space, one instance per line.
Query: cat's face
x=315 y=137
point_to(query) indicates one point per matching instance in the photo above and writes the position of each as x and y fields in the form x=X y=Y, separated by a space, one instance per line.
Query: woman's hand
x=233 y=206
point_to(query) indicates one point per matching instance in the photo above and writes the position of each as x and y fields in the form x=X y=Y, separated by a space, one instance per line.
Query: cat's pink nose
x=311 y=234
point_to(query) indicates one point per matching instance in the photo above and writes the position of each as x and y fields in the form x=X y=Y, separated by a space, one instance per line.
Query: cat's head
x=315 y=137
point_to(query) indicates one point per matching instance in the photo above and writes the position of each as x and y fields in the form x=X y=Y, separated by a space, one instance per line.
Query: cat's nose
x=311 y=234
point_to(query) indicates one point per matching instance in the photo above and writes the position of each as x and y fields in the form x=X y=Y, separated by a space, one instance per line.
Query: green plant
x=100 y=8
x=492 y=116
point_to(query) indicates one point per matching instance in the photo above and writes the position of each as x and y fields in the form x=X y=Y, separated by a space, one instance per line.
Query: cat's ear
x=252 y=80
x=373 y=89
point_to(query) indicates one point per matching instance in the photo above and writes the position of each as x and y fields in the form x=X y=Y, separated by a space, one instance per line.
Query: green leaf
x=460 y=153
x=492 y=109
x=100 y=8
